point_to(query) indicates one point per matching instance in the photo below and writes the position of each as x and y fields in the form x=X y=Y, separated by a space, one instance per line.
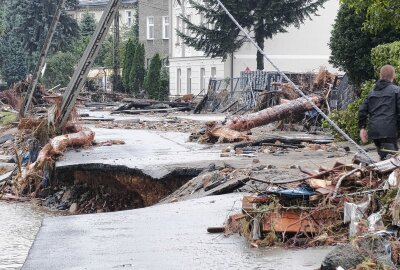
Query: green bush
x=384 y=54
x=347 y=119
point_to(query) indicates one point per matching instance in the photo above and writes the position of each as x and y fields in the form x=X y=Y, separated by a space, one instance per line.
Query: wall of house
x=299 y=50
x=159 y=44
x=195 y=64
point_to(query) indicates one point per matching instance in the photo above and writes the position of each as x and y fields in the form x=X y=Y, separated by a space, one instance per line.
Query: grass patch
x=6 y=118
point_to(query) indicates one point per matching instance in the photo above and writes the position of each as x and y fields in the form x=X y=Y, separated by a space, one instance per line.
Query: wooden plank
x=385 y=166
x=299 y=221
x=229 y=186
x=247 y=204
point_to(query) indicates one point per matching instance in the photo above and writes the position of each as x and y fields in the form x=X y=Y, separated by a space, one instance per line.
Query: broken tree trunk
x=48 y=154
x=234 y=126
x=272 y=114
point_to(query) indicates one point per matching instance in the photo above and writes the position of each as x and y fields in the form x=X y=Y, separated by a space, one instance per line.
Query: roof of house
x=97 y=3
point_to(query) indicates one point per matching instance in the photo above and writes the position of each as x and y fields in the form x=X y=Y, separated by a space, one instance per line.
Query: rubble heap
x=331 y=206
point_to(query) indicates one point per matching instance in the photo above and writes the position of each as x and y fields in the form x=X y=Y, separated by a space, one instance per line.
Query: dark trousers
x=386 y=144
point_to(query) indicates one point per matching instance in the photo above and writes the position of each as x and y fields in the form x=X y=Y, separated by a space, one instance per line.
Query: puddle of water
x=19 y=224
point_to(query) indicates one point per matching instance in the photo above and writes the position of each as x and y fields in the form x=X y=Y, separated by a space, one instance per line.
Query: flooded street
x=19 y=224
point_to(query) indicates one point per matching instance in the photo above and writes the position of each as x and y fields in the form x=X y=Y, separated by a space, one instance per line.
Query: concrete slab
x=155 y=153
x=169 y=236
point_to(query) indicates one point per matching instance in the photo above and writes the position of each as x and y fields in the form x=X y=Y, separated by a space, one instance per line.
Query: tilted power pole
x=42 y=59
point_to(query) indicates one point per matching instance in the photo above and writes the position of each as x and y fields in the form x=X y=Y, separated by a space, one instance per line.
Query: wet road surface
x=169 y=236
x=19 y=224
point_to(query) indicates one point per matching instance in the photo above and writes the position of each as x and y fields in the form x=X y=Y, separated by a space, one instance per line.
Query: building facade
x=154 y=28
x=127 y=12
x=299 y=50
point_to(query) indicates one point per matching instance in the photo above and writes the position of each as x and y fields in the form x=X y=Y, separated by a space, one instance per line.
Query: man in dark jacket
x=380 y=113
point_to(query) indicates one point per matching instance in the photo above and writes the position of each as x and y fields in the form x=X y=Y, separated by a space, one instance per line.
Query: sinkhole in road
x=98 y=188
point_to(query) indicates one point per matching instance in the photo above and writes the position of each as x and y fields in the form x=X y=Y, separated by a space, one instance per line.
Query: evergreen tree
x=164 y=86
x=127 y=64
x=13 y=63
x=87 y=25
x=351 y=45
x=59 y=70
x=137 y=74
x=266 y=18
x=36 y=17
x=152 y=82
x=25 y=26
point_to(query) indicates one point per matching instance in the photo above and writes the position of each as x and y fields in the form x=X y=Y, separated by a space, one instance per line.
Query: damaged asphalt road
x=169 y=236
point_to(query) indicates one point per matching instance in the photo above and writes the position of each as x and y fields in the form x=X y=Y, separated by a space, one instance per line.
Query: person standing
x=380 y=113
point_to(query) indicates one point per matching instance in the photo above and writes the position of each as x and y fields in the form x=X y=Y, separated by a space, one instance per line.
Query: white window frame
x=129 y=18
x=150 y=28
x=178 y=81
x=189 y=81
x=165 y=27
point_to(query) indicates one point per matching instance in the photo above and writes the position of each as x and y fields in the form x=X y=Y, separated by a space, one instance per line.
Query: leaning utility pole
x=79 y=78
x=42 y=59
x=116 y=64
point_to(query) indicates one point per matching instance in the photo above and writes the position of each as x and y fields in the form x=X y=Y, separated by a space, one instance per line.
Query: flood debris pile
x=291 y=108
x=350 y=204
x=136 y=106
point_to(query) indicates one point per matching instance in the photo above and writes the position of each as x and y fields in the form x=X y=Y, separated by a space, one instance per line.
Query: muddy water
x=19 y=224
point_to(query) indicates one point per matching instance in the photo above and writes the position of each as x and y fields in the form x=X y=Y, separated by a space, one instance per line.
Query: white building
x=300 y=50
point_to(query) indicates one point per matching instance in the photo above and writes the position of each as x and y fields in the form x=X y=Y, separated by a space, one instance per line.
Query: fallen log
x=234 y=126
x=272 y=114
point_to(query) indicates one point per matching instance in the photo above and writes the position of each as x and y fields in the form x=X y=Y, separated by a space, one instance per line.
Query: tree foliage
x=386 y=54
x=87 y=25
x=347 y=119
x=379 y=14
x=152 y=82
x=164 y=85
x=59 y=70
x=351 y=45
x=263 y=18
x=25 y=27
x=137 y=73
x=127 y=64
x=36 y=17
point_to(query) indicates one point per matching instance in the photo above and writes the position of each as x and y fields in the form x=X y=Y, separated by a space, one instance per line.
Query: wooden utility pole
x=42 y=59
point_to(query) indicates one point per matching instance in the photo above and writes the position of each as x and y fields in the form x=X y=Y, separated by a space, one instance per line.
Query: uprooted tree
x=232 y=129
x=218 y=36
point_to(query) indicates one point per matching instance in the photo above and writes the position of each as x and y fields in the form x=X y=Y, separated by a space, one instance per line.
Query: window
x=165 y=27
x=178 y=81
x=189 y=81
x=202 y=79
x=213 y=72
x=129 y=21
x=150 y=27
